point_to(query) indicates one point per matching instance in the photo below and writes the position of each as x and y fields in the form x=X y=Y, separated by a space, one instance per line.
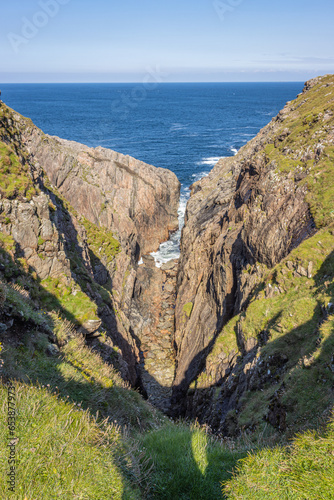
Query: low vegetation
x=304 y=470
x=73 y=301
x=101 y=242
x=63 y=451
x=188 y=463
x=83 y=433
x=295 y=314
x=15 y=181
x=304 y=150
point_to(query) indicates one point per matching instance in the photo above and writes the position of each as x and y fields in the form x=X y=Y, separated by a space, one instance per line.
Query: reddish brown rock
x=152 y=322
x=245 y=216
x=134 y=200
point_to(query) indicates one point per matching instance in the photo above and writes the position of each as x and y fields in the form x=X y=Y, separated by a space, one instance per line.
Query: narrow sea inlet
x=201 y=123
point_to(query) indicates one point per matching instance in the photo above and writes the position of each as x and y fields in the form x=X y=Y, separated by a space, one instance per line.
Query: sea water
x=185 y=127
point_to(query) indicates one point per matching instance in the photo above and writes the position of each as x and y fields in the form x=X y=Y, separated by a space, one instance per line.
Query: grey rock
x=52 y=350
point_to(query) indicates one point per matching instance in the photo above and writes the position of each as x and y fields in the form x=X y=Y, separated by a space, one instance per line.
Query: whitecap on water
x=212 y=160
x=171 y=249
x=198 y=177
x=177 y=126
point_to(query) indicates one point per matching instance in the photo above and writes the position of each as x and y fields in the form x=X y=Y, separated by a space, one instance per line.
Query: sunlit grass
x=61 y=451
x=303 y=471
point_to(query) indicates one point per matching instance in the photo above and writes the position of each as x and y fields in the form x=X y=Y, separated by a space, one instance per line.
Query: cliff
x=208 y=336
x=80 y=219
x=252 y=234
x=237 y=334
x=136 y=201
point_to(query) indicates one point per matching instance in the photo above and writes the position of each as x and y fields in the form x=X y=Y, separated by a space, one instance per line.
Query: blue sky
x=171 y=40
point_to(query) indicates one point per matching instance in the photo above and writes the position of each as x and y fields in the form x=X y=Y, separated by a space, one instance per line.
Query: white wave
x=212 y=160
x=177 y=126
x=234 y=150
x=170 y=249
x=198 y=177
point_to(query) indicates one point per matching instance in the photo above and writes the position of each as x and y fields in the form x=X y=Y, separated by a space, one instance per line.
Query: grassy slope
x=310 y=125
x=303 y=471
x=299 y=324
x=15 y=180
x=291 y=320
x=67 y=448
x=188 y=463
x=62 y=451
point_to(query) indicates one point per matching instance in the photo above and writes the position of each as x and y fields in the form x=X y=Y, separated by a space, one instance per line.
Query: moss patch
x=298 y=322
x=187 y=309
x=304 y=470
x=305 y=150
x=101 y=241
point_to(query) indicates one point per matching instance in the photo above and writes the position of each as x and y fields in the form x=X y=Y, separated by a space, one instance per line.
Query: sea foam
x=171 y=249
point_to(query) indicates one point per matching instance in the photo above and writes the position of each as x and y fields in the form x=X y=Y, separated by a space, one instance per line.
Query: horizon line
x=141 y=83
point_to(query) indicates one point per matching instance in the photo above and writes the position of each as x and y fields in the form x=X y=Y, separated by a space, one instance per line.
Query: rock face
x=152 y=321
x=245 y=217
x=36 y=235
x=135 y=201
x=90 y=215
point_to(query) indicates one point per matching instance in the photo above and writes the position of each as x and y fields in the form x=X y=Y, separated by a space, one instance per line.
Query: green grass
x=303 y=471
x=101 y=241
x=15 y=180
x=187 y=309
x=75 y=306
x=77 y=374
x=291 y=320
x=188 y=464
x=307 y=129
x=51 y=294
x=7 y=243
x=62 y=451
x=67 y=449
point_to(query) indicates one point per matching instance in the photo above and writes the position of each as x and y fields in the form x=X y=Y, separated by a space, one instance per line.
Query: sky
x=165 y=40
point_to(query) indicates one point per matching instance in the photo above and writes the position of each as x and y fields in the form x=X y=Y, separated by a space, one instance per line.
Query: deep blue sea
x=185 y=127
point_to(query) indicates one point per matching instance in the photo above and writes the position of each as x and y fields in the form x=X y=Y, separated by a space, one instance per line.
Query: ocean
x=185 y=127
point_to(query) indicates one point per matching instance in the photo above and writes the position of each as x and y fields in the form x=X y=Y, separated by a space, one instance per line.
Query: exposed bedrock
x=248 y=214
x=94 y=213
x=244 y=218
x=152 y=322
x=136 y=201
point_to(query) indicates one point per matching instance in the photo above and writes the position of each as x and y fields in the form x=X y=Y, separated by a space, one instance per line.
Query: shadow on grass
x=188 y=468
x=293 y=387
